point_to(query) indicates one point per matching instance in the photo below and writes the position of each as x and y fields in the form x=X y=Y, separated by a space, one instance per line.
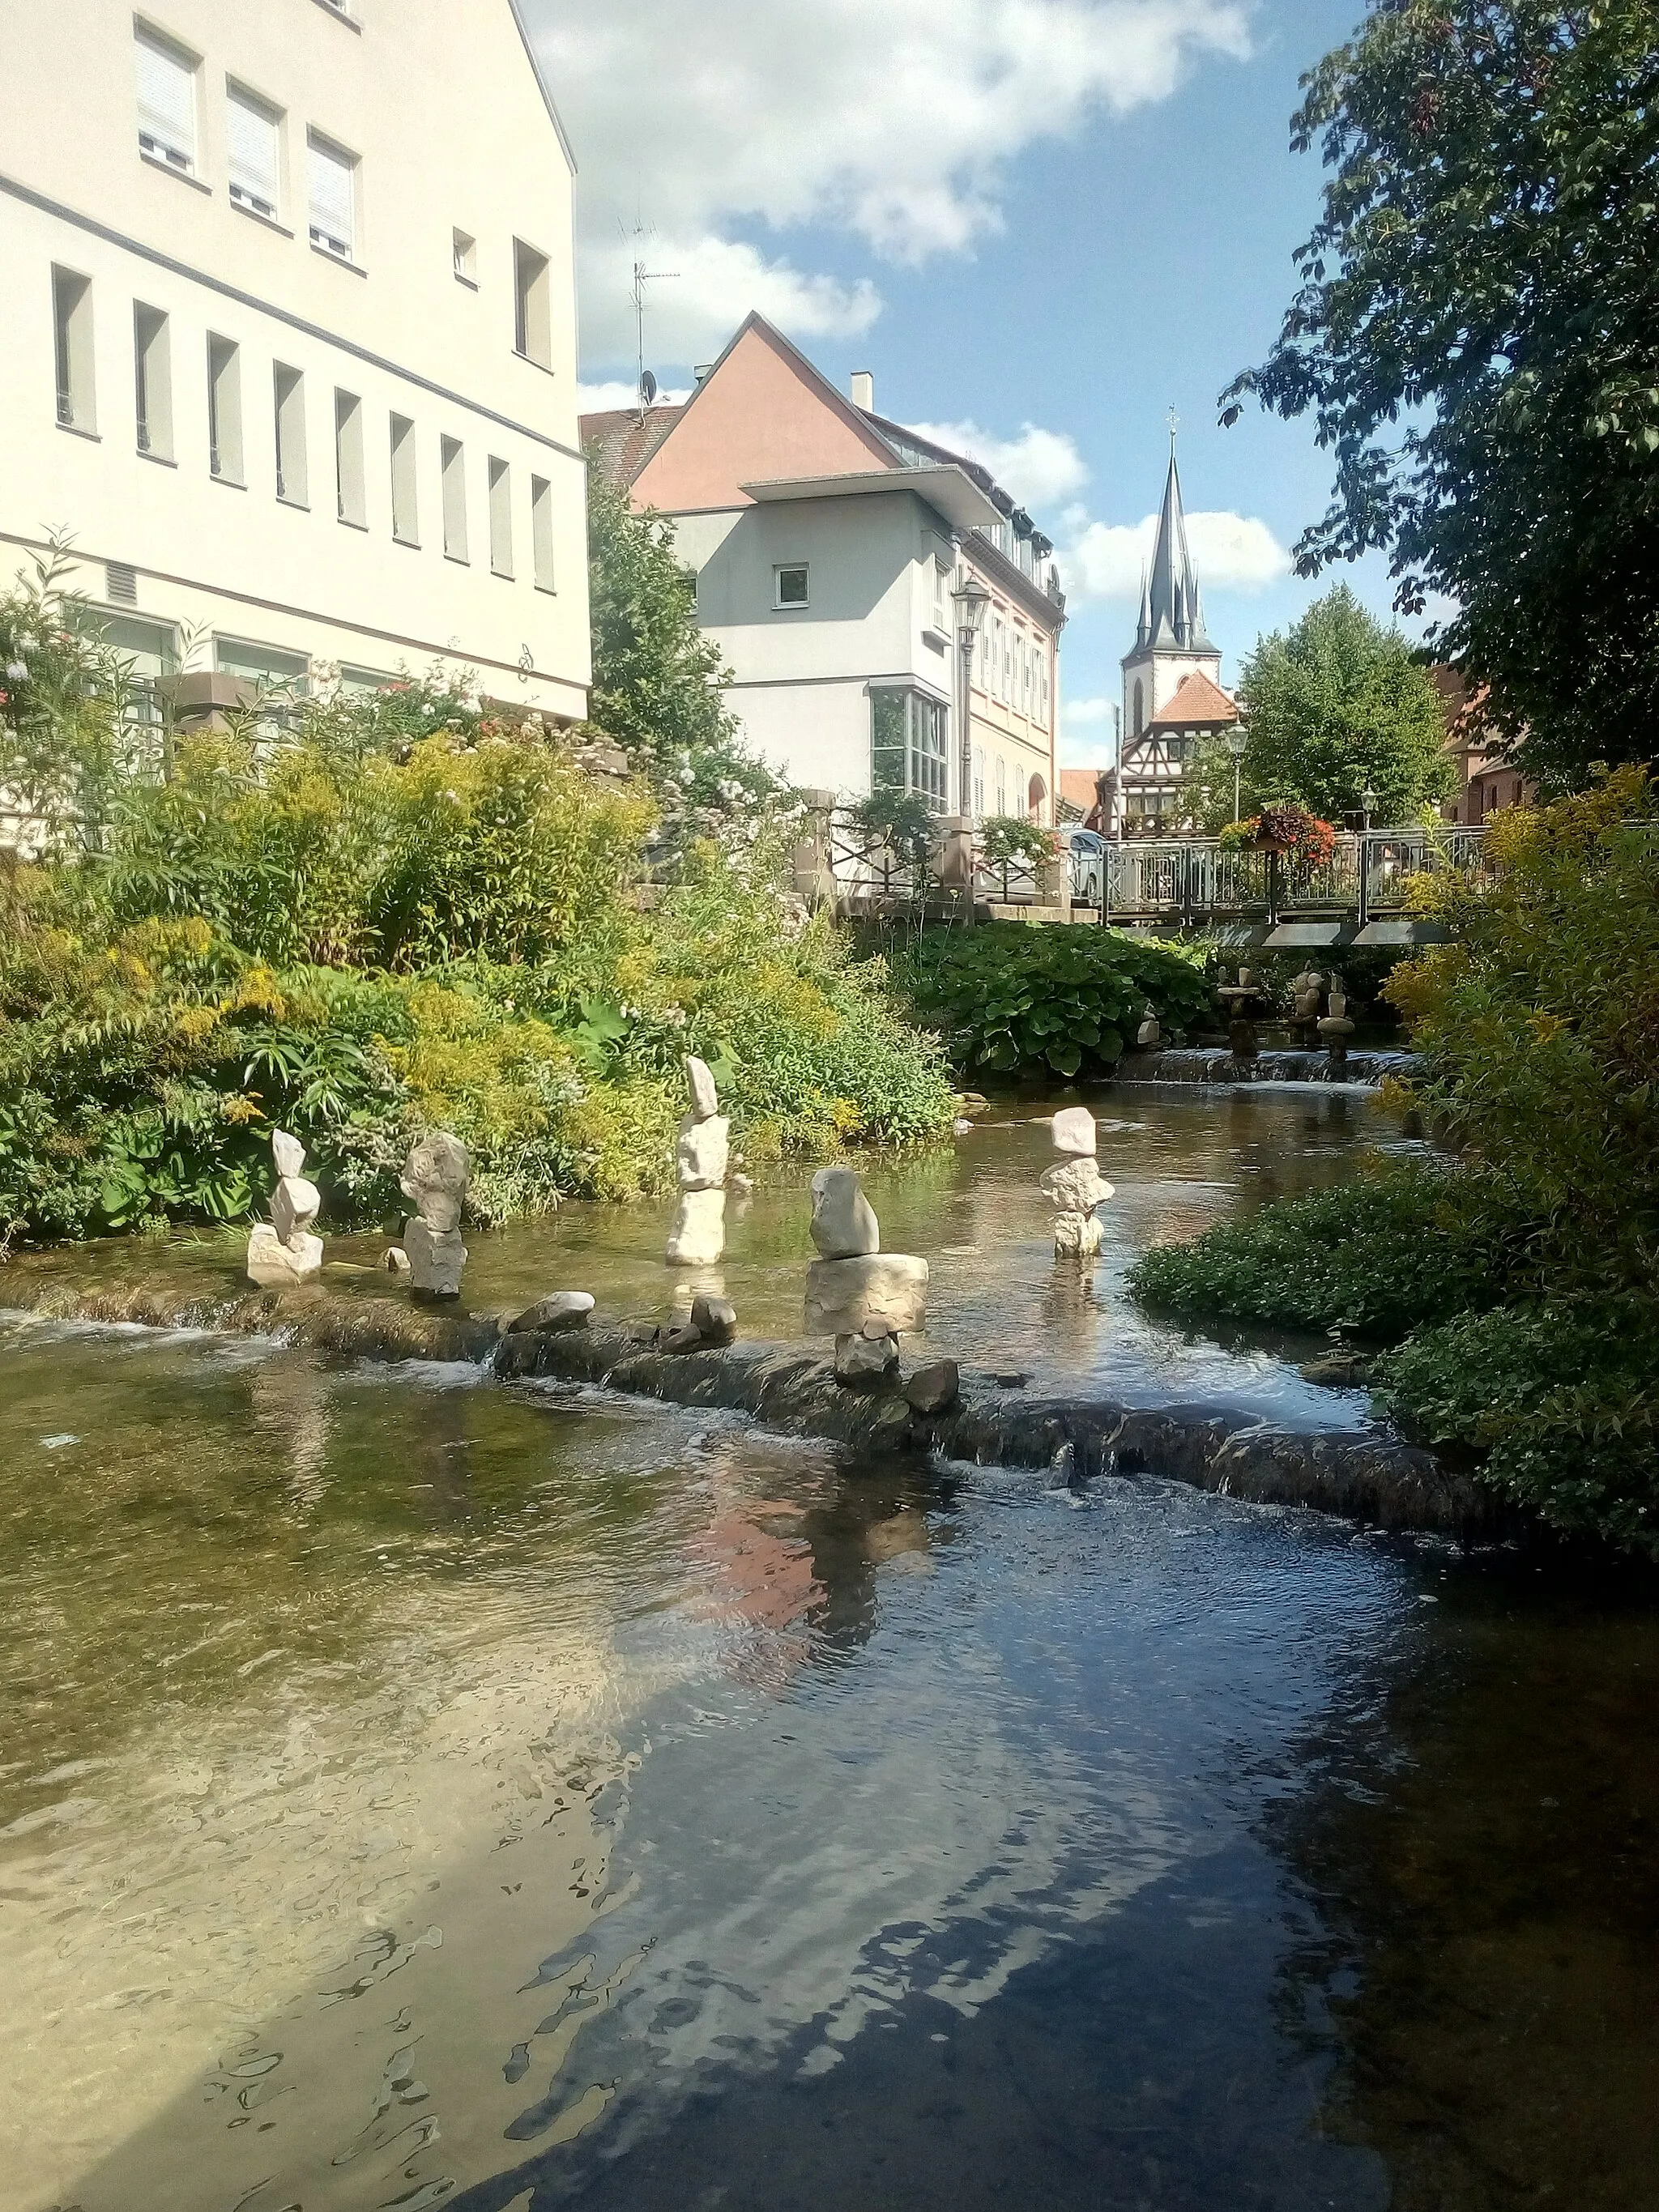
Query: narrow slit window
x=352 y=498
x=289 y=397
x=225 y=410
x=254 y=133
x=452 y=466
x=465 y=251
x=72 y=321
x=541 y=532
x=405 y=521
x=333 y=194
x=152 y=380
x=533 y=327
x=500 y=518
x=166 y=103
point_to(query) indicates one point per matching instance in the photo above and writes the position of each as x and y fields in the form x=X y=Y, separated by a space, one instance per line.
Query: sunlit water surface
x=415 y=1791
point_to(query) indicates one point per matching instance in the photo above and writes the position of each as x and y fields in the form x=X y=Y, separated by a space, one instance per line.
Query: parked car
x=1085 y=849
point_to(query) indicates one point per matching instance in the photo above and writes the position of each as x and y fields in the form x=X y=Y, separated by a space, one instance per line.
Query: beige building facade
x=290 y=339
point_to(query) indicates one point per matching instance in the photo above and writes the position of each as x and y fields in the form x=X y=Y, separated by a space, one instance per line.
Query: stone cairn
x=281 y=1251
x=698 y=1236
x=1307 y=997
x=435 y=1177
x=1337 y=1027
x=1074 y=1185
x=861 y=1295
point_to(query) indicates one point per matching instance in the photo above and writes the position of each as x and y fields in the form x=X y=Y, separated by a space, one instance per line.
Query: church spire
x=1172 y=565
x=1144 y=628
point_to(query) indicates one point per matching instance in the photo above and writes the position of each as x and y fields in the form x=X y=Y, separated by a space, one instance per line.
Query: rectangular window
x=152 y=380
x=464 y=250
x=332 y=174
x=225 y=410
x=500 y=518
x=941 y=600
x=1002 y=786
x=789 y=584
x=452 y=465
x=541 y=532
x=167 y=101
x=405 y=522
x=352 y=496
x=532 y=322
x=71 y=330
x=254 y=134
x=293 y=476
x=908 y=749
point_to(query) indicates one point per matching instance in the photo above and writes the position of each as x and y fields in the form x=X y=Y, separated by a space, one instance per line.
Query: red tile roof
x=625 y=443
x=1198 y=704
x=1078 y=784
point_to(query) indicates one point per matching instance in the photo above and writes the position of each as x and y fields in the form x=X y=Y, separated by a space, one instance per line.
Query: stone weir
x=1364 y=1475
x=1286 y=1063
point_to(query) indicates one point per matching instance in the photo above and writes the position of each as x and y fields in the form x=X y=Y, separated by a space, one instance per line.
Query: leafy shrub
x=1011 y=837
x=1011 y=999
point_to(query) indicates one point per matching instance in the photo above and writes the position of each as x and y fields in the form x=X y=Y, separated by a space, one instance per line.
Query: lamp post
x=1367 y=802
x=1236 y=741
x=970 y=599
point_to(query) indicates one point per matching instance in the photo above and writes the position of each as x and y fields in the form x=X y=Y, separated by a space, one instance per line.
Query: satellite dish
x=648 y=389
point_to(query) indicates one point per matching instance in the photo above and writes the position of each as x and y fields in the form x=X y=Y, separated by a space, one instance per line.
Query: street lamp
x=1367 y=806
x=1236 y=741
x=970 y=599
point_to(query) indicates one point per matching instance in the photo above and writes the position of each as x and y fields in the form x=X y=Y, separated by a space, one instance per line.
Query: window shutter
x=253 y=154
x=166 y=104
x=332 y=199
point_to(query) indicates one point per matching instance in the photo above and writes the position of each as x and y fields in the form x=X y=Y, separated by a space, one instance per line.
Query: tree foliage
x=1335 y=706
x=1477 y=337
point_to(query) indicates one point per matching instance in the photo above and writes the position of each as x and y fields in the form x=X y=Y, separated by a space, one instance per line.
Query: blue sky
x=1048 y=220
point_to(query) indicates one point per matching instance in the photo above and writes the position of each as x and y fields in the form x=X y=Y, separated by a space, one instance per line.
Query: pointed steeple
x=1144 y=628
x=1171 y=563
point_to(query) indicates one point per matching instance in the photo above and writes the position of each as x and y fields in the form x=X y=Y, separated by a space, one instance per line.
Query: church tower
x=1172 y=693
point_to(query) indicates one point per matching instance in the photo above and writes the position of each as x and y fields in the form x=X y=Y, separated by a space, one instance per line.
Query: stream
x=416 y=1791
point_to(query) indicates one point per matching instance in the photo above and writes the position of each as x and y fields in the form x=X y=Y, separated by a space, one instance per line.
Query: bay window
x=909 y=745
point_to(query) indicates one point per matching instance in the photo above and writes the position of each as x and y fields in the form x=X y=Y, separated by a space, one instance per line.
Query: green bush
x=1010 y=998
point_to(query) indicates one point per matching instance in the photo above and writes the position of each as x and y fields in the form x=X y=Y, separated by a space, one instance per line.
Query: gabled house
x=827 y=542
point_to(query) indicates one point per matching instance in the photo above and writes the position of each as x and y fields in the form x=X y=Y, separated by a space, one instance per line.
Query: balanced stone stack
x=1074 y=1186
x=861 y=1295
x=281 y=1251
x=698 y=1236
x=435 y=1177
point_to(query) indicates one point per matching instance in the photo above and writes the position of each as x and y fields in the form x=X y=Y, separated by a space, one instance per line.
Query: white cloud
x=604 y=399
x=1038 y=467
x=892 y=121
x=1076 y=711
x=1087 y=738
x=1231 y=552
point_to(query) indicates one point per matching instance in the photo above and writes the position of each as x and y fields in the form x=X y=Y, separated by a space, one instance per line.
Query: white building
x=827 y=542
x=291 y=337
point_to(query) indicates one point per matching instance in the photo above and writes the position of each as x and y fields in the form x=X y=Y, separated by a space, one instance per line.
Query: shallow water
x=415 y=1791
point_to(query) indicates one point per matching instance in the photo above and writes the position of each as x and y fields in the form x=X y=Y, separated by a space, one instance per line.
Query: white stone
x=864 y=1359
x=563 y=1309
x=436 y=1257
x=290 y=1153
x=700 y=1081
x=1149 y=1032
x=700 y=1156
x=1074 y=1131
x=395 y=1260
x=844 y=1224
x=1075 y=1185
x=435 y=1177
x=1077 y=1233
x=697 y=1237
x=294 y=1205
x=275 y=1266
x=843 y=1294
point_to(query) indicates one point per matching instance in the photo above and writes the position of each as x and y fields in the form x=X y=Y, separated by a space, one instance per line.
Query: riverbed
x=417 y=1791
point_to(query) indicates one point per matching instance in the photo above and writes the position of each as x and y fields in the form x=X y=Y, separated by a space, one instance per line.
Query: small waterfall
x=1201 y=1064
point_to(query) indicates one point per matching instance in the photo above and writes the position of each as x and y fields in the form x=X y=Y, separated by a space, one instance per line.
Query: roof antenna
x=642 y=276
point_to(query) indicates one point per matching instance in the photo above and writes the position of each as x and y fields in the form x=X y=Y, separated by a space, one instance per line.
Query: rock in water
x=844 y=1225
x=699 y=1082
x=715 y=1320
x=864 y=1361
x=435 y=1177
x=564 y=1310
x=294 y=1205
x=1074 y=1131
x=1077 y=1234
x=436 y=1257
x=1076 y=1186
x=276 y=1265
x=395 y=1260
x=936 y=1387
x=700 y=1156
x=697 y=1237
x=842 y=1295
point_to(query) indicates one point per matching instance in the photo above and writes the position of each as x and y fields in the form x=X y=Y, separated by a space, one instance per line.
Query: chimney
x=863 y=391
x=702 y=369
